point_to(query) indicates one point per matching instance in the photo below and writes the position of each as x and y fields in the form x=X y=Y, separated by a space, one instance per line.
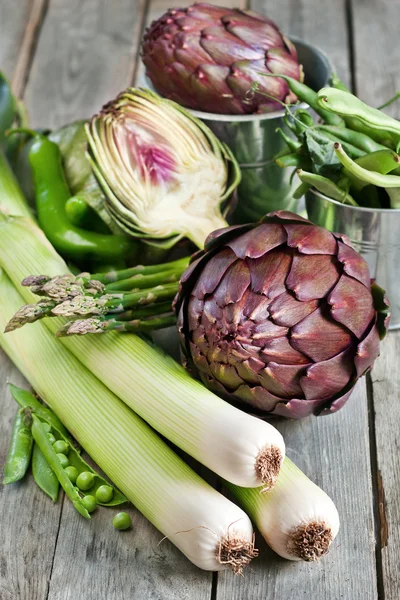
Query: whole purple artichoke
x=207 y=58
x=280 y=316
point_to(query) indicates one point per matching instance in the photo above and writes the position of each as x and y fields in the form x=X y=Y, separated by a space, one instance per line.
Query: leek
x=240 y=448
x=209 y=529
x=297 y=519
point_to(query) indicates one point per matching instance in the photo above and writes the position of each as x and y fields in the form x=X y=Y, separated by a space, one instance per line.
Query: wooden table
x=65 y=59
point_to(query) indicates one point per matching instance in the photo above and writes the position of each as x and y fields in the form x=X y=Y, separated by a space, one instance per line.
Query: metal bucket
x=254 y=142
x=374 y=233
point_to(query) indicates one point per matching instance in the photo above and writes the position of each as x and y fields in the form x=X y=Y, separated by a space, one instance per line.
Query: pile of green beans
x=40 y=439
x=350 y=153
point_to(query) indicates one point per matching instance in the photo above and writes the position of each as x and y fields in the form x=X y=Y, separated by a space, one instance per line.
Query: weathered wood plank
x=93 y=560
x=386 y=389
x=376 y=28
x=13 y=19
x=28 y=520
x=86 y=54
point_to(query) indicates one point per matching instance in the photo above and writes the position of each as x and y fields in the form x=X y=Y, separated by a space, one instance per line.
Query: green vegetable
x=355 y=138
x=327 y=187
x=386 y=181
x=47 y=428
x=20 y=449
x=39 y=435
x=64 y=462
x=51 y=438
x=72 y=473
x=104 y=494
x=77 y=210
x=377 y=123
x=89 y=502
x=61 y=447
x=306 y=94
x=51 y=195
x=27 y=400
x=44 y=475
x=85 y=480
x=122 y=521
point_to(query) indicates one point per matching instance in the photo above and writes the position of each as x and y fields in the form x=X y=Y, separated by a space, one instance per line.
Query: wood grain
x=376 y=29
x=13 y=20
x=29 y=521
x=386 y=386
x=85 y=56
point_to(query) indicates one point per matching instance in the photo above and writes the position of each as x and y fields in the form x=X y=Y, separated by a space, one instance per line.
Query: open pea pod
x=27 y=400
x=76 y=460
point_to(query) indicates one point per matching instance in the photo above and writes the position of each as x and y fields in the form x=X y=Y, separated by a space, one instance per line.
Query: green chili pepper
x=306 y=94
x=371 y=119
x=355 y=138
x=327 y=187
x=44 y=475
x=39 y=435
x=52 y=193
x=20 y=450
x=27 y=400
x=77 y=210
x=363 y=174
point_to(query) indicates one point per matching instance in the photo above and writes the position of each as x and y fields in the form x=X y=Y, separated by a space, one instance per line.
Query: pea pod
x=338 y=83
x=373 y=177
x=327 y=187
x=20 y=450
x=27 y=400
x=40 y=437
x=44 y=475
x=348 y=106
x=306 y=94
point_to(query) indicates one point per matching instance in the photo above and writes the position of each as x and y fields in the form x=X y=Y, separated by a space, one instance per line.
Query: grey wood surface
x=79 y=57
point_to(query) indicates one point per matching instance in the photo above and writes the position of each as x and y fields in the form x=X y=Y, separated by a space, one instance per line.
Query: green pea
x=72 y=473
x=51 y=438
x=63 y=460
x=89 y=502
x=122 y=521
x=60 y=447
x=85 y=480
x=46 y=427
x=104 y=494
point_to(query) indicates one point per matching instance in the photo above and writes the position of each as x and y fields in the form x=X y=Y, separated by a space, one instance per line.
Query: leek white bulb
x=297 y=519
x=164 y=173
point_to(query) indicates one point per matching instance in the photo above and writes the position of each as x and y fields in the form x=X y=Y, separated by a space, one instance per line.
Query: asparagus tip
x=33 y=280
x=268 y=465
x=310 y=541
x=82 y=327
x=236 y=552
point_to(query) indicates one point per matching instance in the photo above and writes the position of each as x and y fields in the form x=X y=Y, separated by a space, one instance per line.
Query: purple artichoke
x=280 y=316
x=207 y=58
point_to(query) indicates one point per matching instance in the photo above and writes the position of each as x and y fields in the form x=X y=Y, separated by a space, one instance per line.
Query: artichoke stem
x=203 y=228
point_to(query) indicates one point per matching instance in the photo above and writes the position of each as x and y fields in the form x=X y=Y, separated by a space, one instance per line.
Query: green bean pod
x=291 y=160
x=327 y=187
x=355 y=138
x=41 y=439
x=306 y=94
x=373 y=177
x=290 y=142
x=349 y=106
x=353 y=151
x=27 y=400
x=338 y=83
x=20 y=450
x=381 y=161
x=44 y=475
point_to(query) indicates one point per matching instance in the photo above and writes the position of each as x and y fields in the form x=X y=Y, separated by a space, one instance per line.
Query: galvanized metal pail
x=374 y=233
x=254 y=142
